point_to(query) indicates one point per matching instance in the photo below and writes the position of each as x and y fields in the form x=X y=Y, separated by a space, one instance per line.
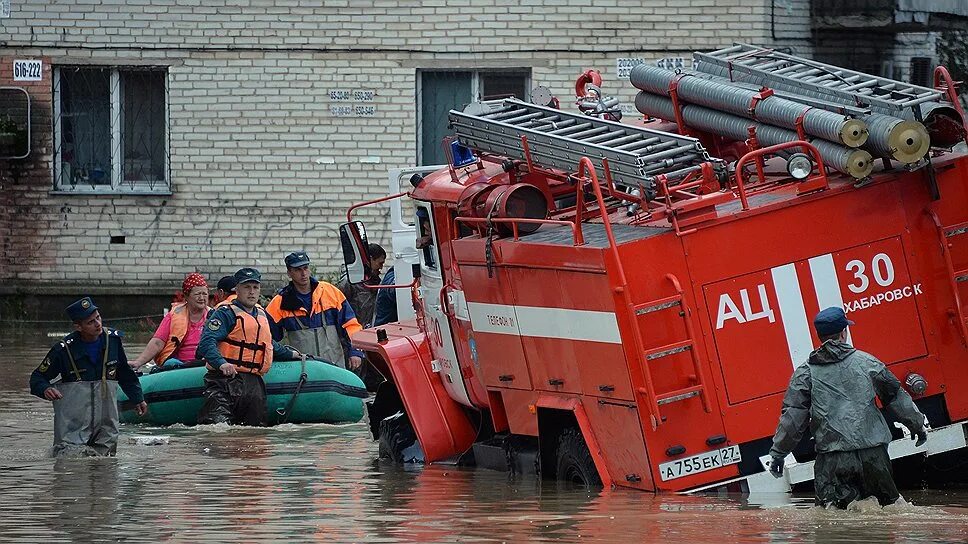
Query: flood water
x=324 y=483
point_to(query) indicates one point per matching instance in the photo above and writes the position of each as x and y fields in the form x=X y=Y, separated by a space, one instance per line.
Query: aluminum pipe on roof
x=853 y=162
x=890 y=136
x=740 y=63
x=721 y=94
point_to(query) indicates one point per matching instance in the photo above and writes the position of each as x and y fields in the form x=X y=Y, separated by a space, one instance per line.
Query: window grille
x=111 y=130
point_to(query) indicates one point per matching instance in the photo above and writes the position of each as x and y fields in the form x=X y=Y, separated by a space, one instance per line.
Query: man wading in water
x=238 y=350
x=91 y=365
x=834 y=392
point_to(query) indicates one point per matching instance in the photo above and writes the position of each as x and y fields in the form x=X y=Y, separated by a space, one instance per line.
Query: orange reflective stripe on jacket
x=176 y=335
x=249 y=345
x=329 y=308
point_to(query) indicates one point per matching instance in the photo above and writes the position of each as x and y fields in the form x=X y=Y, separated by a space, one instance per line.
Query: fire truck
x=622 y=304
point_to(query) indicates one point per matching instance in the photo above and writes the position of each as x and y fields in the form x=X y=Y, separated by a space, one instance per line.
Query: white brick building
x=179 y=135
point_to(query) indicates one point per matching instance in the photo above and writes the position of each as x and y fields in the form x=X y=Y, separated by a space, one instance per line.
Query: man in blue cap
x=238 y=349
x=835 y=393
x=91 y=364
x=314 y=316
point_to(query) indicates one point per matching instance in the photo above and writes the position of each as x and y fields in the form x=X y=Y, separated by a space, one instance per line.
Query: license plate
x=700 y=463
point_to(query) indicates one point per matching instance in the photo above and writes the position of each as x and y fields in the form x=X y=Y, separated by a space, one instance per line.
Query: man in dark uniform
x=834 y=392
x=91 y=364
x=238 y=348
x=225 y=290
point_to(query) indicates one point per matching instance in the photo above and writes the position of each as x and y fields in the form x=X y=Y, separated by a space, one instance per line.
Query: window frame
x=477 y=89
x=118 y=185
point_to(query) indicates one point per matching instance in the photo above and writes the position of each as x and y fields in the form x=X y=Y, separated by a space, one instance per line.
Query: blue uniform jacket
x=57 y=363
x=386 y=301
x=220 y=323
x=330 y=307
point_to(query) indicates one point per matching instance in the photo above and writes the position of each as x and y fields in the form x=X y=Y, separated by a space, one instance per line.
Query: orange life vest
x=176 y=335
x=228 y=300
x=249 y=345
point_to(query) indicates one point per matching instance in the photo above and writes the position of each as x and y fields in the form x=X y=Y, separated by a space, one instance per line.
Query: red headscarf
x=193 y=280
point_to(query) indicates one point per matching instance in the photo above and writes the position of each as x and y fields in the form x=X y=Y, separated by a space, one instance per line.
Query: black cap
x=297 y=259
x=227 y=283
x=81 y=309
x=247 y=275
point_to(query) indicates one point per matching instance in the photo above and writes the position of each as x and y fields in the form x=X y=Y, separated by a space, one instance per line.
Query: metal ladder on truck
x=676 y=302
x=771 y=67
x=556 y=139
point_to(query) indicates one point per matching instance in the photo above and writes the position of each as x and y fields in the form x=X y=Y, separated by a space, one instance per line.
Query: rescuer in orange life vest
x=314 y=316
x=177 y=336
x=238 y=348
x=225 y=291
x=834 y=392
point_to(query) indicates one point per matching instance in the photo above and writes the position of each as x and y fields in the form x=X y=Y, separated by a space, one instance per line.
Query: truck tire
x=398 y=442
x=575 y=465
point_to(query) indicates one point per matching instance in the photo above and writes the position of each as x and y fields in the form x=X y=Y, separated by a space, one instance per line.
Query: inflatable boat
x=327 y=394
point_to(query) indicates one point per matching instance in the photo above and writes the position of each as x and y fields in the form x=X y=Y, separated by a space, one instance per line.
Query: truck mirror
x=416 y=270
x=352 y=239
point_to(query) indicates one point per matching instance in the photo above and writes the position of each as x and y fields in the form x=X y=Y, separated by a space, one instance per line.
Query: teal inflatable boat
x=328 y=394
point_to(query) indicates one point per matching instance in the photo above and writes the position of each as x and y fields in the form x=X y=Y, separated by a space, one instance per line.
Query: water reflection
x=89 y=496
x=323 y=483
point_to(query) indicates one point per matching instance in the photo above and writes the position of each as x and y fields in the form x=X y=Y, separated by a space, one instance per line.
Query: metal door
x=440 y=92
x=403 y=234
x=439 y=333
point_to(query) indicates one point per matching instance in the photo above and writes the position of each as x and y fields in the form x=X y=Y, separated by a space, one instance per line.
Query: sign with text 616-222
x=28 y=70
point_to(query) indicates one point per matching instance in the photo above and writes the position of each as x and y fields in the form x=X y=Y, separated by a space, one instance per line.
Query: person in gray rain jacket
x=834 y=392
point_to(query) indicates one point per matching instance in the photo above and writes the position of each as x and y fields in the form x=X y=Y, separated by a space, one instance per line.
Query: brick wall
x=258 y=164
x=914 y=44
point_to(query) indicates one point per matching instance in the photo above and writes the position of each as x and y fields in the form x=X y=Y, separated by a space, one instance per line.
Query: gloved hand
x=921 y=437
x=776 y=467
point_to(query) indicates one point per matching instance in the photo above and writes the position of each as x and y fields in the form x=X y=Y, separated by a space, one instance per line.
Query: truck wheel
x=575 y=464
x=398 y=441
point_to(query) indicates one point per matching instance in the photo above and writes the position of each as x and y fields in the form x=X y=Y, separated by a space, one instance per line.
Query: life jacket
x=179 y=329
x=249 y=345
x=314 y=332
x=228 y=300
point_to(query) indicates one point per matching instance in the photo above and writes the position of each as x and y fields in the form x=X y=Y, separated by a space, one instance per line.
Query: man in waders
x=238 y=349
x=311 y=315
x=835 y=392
x=91 y=365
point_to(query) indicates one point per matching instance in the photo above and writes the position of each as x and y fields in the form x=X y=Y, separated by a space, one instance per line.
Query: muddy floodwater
x=324 y=483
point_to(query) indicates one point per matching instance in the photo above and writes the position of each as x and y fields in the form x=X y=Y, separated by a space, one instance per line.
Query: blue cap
x=297 y=259
x=247 y=275
x=831 y=321
x=81 y=309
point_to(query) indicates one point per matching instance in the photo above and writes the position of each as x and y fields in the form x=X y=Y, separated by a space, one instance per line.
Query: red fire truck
x=615 y=304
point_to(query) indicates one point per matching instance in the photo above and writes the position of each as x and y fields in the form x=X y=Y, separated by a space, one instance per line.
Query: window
x=425 y=237
x=438 y=92
x=111 y=130
x=922 y=70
